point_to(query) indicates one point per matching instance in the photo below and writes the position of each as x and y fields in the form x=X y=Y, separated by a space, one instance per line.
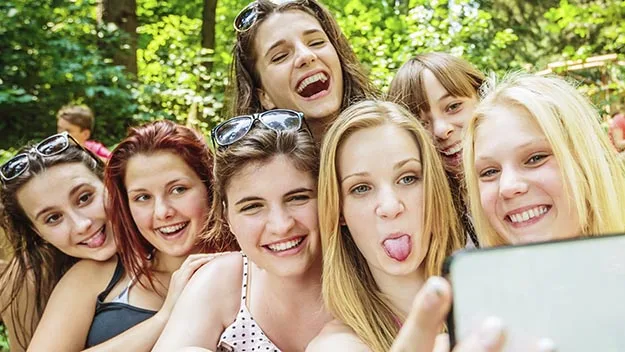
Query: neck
x=400 y=290
x=165 y=263
x=296 y=289
x=319 y=126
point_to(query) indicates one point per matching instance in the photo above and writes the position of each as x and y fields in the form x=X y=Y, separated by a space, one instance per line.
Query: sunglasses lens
x=53 y=145
x=246 y=18
x=14 y=167
x=281 y=120
x=232 y=130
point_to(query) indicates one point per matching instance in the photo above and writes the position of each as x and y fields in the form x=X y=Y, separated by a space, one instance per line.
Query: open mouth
x=172 y=230
x=285 y=246
x=452 y=150
x=97 y=240
x=527 y=216
x=312 y=85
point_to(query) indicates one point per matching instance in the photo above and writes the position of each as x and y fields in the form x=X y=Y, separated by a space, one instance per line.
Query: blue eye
x=178 y=190
x=360 y=189
x=488 y=173
x=408 y=180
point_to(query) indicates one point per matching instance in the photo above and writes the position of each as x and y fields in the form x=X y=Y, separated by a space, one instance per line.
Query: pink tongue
x=398 y=248
x=96 y=241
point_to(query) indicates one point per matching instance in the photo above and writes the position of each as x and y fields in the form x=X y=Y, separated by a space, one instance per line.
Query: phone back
x=572 y=292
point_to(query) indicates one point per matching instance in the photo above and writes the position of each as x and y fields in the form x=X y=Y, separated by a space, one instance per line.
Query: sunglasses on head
x=249 y=15
x=232 y=130
x=50 y=146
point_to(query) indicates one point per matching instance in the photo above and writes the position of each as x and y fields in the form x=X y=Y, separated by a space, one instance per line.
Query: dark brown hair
x=245 y=80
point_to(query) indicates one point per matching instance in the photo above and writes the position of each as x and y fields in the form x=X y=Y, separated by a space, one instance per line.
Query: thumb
x=426 y=317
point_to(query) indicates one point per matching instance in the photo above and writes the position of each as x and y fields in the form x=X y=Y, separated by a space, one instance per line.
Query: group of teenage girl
x=318 y=221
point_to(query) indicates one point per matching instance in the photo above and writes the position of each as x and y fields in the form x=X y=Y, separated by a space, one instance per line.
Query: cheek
x=141 y=216
x=488 y=199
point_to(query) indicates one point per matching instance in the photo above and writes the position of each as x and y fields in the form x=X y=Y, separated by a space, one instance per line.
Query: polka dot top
x=244 y=335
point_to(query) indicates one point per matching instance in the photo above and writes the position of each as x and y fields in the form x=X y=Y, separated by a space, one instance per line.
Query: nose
x=442 y=129
x=304 y=55
x=81 y=222
x=162 y=209
x=389 y=205
x=511 y=184
x=280 y=222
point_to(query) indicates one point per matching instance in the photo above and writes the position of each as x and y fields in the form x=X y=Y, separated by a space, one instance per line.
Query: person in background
x=441 y=90
x=617 y=131
x=78 y=121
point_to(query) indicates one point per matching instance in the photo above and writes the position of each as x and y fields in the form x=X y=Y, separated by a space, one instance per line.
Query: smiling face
x=382 y=198
x=446 y=120
x=521 y=188
x=299 y=68
x=167 y=200
x=65 y=204
x=272 y=210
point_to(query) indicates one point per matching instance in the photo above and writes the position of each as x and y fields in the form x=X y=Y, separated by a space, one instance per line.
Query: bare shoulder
x=90 y=274
x=336 y=336
x=217 y=281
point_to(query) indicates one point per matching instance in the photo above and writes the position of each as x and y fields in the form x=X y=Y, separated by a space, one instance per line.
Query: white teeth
x=453 y=150
x=171 y=229
x=279 y=247
x=528 y=214
x=312 y=79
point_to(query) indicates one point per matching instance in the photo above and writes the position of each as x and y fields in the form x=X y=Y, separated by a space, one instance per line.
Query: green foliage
x=50 y=57
x=4 y=342
x=55 y=52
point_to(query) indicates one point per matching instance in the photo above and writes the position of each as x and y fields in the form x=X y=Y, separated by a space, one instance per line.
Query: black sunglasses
x=249 y=15
x=232 y=130
x=50 y=146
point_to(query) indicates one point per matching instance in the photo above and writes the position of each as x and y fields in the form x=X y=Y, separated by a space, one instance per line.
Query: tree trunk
x=122 y=13
x=208 y=28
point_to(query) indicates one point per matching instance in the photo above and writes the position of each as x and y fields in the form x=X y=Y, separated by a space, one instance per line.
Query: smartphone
x=571 y=291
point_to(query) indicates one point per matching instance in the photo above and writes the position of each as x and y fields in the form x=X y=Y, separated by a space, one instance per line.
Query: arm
x=335 y=336
x=207 y=305
x=143 y=336
x=25 y=305
x=75 y=292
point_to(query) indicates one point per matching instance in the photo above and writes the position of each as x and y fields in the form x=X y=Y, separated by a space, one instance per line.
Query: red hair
x=150 y=138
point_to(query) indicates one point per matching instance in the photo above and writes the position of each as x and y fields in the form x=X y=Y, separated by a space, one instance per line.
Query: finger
x=442 y=343
x=426 y=317
x=490 y=337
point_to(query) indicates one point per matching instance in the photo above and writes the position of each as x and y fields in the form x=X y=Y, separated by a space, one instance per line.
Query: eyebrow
x=282 y=41
x=397 y=165
x=176 y=180
x=72 y=192
x=254 y=198
x=522 y=146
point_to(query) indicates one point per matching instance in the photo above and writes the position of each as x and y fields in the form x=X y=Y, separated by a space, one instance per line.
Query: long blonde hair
x=349 y=289
x=594 y=177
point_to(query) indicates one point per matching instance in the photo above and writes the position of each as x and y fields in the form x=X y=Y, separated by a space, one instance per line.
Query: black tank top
x=113 y=318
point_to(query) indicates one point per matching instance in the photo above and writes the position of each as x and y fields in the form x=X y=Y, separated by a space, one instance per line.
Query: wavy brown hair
x=31 y=258
x=246 y=81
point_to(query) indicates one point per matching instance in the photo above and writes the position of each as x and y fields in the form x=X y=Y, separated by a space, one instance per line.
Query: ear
x=85 y=134
x=265 y=99
x=342 y=221
x=224 y=213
